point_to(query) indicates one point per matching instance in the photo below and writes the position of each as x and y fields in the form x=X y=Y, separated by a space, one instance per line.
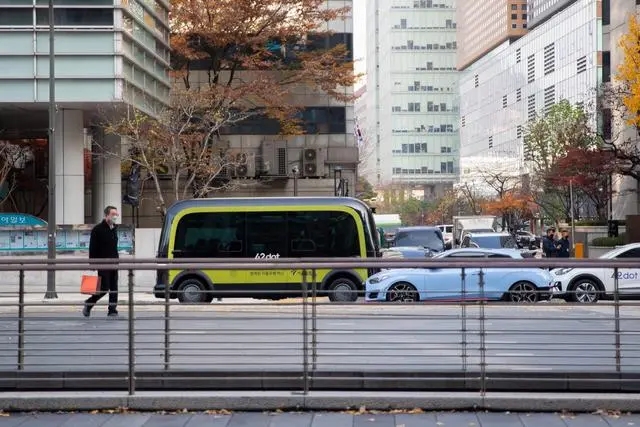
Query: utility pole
x=51 y=220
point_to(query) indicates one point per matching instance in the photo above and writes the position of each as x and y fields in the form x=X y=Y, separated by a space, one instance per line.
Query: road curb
x=327 y=401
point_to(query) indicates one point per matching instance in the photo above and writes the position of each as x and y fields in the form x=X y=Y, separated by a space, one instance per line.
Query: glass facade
x=539 y=10
x=509 y=86
x=139 y=61
x=415 y=88
x=482 y=25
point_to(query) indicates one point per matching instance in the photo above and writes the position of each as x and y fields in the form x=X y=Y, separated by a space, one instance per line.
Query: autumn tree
x=179 y=143
x=470 y=199
x=364 y=189
x=620 y=103
x=253 y=55
x=589 y=171
x=547 y=139
x=443 y=210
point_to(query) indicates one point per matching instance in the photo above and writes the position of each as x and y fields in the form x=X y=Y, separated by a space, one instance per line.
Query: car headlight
x=562 y=271
x=377 y=279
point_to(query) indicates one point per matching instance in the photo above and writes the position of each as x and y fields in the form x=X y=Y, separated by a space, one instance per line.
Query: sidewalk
x=298 y=419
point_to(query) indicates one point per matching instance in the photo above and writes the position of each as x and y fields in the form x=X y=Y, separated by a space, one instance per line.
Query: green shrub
x=609 y=242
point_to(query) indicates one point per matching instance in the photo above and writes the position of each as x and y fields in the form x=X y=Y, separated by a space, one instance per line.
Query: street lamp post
x=51 y=220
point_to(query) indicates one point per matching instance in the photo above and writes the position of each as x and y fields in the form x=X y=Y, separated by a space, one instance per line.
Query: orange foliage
x=511 y=203
x=239 y=43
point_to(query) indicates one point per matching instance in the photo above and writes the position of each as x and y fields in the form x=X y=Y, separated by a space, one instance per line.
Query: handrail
x=304 y=263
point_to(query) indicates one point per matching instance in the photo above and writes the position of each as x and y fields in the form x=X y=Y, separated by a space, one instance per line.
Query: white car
x=588 y=285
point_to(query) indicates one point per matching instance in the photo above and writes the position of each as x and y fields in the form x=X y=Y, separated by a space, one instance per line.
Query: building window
x=445 y=150
x=524 y=16
x=414 y=107
x=606 y=66
x=531 y=107
x=76 y=17
x=519 y=131
x=524 y=6
x=403 y=23
x=607 y=118
x=514 y=7
x=518 y=55
x=16 y=17
x=581 y=65
x=491 y=142
x=549 y=59
x=514 y=16
x=549 y=98
x=531 y=69
x=316 y=120
x=518 y=95
x=476 y=80
x=463 y=121
x=504 y=101
x=606 y=12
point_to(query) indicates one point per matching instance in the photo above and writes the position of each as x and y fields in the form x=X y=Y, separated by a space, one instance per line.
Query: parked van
x=261 y=229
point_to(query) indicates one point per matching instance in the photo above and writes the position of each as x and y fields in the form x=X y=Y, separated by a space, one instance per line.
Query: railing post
x=305 y=333
x=167 y=327
x=21 y=321
x=463 y=316
x=314 y=320
x=616 y=311
x=483 y=347
x=131 y=331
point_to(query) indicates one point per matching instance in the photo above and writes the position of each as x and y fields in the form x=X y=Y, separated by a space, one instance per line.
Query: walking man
x=104 y=244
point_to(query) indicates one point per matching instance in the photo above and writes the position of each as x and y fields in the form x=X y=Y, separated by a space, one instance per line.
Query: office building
x=412 y=81
x=107 y=53
x=562 y=58
x=483 y=25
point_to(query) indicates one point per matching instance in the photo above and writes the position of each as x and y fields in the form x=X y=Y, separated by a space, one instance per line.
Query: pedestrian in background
x=103 y=243
x=564 y=245
x=549 y=246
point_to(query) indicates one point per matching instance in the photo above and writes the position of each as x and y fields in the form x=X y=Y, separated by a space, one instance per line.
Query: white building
x=412 y=92
x=502 y=91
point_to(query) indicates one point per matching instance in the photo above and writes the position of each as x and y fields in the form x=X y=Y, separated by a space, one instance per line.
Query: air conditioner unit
x=245 y=165
x=313 y=162
x=273 y=158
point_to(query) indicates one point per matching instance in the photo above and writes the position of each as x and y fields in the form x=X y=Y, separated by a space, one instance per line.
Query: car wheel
x=193 y=291
x=402 y=292
x=584 y=291
x=523 y=293
x=343 y=290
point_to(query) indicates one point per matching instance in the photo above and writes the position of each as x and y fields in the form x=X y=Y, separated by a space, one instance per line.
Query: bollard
x=578 y=250
x=21 y=321
x=132 y=344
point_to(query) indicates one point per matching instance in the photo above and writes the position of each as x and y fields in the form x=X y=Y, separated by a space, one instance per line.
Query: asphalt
x=538 y=338
x=301 y=419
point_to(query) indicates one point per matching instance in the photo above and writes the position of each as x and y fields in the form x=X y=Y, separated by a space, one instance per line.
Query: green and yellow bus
x=261 y=229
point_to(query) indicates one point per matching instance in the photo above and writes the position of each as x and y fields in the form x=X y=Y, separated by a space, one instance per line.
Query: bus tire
x=342 y=289
x=193 y=291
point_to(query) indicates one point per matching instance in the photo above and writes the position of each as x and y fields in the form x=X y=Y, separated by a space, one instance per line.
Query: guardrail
x=311 y=344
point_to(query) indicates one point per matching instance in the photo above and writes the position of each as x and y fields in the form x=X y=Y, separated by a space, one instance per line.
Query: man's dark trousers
x=108 y=284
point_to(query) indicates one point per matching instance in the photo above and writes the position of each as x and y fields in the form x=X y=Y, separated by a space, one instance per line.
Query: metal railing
x=310 y=343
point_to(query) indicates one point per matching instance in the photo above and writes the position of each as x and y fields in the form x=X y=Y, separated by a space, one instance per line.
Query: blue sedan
x=521 y=285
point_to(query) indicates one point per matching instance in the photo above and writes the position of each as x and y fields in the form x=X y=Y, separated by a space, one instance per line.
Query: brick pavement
x=255 y=419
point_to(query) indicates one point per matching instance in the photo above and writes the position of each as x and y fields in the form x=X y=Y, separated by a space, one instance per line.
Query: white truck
x=473 y=224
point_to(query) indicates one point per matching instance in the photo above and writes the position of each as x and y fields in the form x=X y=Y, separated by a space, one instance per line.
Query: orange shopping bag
x=90 y=285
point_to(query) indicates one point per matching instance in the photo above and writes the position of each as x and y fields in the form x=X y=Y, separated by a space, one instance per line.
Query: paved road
x=455 y=419
x=523 y=338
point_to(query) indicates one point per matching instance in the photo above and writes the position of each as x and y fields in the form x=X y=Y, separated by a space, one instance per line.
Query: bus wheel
x=193 y=291
x=343 y=290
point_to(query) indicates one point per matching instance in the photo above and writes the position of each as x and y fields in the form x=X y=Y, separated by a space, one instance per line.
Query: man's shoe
x=86 y=311
x=112 y=314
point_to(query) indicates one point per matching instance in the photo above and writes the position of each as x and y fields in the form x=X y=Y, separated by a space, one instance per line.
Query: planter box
x=597 y=251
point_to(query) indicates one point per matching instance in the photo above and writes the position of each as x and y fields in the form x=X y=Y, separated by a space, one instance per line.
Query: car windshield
x=495 y=242
x=431 y=239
